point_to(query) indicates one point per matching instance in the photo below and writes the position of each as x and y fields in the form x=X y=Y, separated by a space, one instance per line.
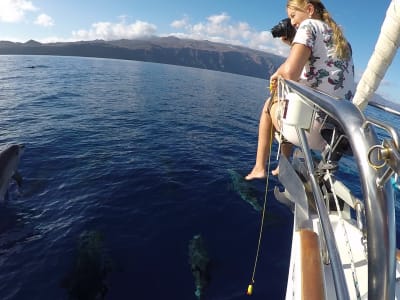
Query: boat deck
x=356 y=257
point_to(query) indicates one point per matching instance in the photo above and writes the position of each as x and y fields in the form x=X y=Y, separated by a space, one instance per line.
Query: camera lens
x=278 y=30
x=284 y=28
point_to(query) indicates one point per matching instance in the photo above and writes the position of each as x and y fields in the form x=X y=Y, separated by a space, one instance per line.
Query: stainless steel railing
x=378 y=198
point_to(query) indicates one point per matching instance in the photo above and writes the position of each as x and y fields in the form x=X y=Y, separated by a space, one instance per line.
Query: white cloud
x=182 y=23
x=44 y=20
x=113 y=31
x=220 y=28
x=13 y=11
x=218 y=19
x=217 y=28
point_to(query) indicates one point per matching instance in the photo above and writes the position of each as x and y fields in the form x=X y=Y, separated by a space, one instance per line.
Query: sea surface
x=138 y=158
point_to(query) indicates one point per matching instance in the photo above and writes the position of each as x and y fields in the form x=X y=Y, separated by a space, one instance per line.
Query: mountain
x=380 y=101
x=167 y=50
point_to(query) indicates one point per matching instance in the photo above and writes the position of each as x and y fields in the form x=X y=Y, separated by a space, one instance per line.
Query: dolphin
x=87 y=278
x=9 y=159
x=199 y=263
x=244 y=189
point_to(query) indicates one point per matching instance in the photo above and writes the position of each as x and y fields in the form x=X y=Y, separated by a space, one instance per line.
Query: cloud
x=182 y=23
x=218 y=19
x=44 y=20
x=220 y=28
x=217 y=28
x=114 y=31
x=13 y=11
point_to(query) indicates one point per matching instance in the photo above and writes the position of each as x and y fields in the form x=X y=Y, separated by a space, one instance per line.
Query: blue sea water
x=141 y=153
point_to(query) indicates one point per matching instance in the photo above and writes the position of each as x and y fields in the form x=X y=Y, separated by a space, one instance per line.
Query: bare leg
x=264 y=143
x=286 y=148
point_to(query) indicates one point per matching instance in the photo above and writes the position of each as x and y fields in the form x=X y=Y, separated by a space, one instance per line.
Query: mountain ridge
x=168 y=50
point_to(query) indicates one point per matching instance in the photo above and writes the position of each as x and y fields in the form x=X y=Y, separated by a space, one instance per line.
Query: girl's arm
x=294 y=64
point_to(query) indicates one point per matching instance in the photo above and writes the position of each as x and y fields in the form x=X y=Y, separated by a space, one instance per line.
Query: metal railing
x=378 y=198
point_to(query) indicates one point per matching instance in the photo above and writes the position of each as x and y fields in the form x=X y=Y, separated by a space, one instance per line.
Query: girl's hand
x=273 y=82
x=285 y=40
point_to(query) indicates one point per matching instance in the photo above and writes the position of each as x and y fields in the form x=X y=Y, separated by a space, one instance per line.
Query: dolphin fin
x=18 y=178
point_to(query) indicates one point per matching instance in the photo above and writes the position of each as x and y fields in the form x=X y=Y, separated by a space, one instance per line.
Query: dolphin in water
x=244 y=189
x=87 y=279
x=199 y=263
x=9 y=159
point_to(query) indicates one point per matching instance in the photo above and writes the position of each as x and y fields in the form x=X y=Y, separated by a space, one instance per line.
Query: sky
x=239 y=22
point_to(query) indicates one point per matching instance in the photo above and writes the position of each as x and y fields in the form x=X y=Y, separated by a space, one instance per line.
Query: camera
x=284 y=28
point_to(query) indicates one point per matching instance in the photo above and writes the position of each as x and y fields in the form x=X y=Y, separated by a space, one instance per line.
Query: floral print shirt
x=324 y=71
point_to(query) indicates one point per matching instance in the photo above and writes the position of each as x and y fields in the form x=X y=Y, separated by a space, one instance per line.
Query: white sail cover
x=385 y=49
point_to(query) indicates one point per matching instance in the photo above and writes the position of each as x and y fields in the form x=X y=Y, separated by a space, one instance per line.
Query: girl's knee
x=267 y=105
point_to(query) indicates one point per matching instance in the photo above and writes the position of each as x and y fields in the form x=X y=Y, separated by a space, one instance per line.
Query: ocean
x=124 y=163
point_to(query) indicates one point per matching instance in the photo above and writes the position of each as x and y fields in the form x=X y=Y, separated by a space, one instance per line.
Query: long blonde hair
x=342 y=47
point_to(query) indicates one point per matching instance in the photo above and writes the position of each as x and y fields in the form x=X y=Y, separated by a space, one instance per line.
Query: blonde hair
x=342 y=47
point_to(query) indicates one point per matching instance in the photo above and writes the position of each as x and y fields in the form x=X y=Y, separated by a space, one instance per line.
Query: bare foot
x=275 y=172
x=255 y=174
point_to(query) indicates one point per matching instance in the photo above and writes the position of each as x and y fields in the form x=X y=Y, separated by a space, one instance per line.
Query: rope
x=250 y=287
x=353 y=269
x=282 y=90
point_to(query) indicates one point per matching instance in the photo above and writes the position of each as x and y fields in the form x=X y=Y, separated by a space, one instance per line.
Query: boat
x=343 y=246
x=344 y=241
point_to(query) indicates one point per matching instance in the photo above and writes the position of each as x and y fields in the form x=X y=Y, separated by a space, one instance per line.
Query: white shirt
x=324 y=71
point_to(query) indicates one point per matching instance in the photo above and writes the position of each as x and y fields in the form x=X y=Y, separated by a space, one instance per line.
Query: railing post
x=378 y=202
x=342 y=292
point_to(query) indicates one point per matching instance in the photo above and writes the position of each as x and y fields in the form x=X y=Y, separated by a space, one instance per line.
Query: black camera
x=284 y=28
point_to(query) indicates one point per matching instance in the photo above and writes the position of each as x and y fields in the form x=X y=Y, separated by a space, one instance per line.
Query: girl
x=320 y=57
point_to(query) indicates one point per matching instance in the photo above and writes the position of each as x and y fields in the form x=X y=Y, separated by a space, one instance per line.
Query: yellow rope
x=250 y=287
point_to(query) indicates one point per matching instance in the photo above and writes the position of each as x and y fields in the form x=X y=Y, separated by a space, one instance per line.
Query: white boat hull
x=295 y=278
